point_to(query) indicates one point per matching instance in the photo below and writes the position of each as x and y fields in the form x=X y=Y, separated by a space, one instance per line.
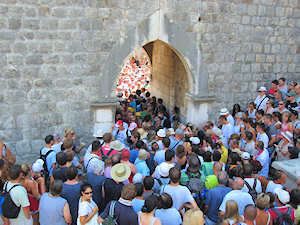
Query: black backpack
x=252 y=190
x=103 y=156
x=9 y=209
x=45 y=168
x=283 y=218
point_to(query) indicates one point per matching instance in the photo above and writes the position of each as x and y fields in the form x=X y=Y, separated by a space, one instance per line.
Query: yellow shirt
x=224 y=154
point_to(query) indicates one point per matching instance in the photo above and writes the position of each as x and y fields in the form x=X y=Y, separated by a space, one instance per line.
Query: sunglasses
x=88 y=193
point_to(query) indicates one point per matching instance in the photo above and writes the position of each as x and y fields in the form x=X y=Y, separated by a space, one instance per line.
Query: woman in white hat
x=282 y=148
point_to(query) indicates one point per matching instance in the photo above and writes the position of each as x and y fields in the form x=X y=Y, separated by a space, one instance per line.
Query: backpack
x=252 y=190
x=110 y=220
x=283 y=218
x=195 y=185
x=103 y=156
x=45 y=168
x=9 y=209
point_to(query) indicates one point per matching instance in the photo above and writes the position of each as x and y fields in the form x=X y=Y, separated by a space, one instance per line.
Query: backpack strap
x=108 y=153
x=248 y=185
x=112 y=209
x=87 y=165
x=261 y=102
x=159 y=181
x=13 y=187
x=255 y=183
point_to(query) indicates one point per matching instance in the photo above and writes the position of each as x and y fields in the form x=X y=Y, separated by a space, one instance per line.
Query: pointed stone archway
x=161 y=33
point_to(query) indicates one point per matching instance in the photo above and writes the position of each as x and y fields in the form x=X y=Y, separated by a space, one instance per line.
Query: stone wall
x=53 y=55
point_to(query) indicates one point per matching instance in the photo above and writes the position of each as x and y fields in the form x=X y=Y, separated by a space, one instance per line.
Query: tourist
x=71 y=192
x=138 y=201
x=193 y=217
x=6 y=154
x=250 y=215
x=166 y=213
x=140 y=163
x=251 y=111
x=49 y=156
x=251 y=183
x=262 y=99
x=263 y=157
x=18 y=195
x=125 y=159
x=87 y=209
x=227 y=130
x=120 y=132
x=162 y=170
x=214 y=198
x=224 y=112
x=263 y=217
x=59 y=173
x=146 y=216
x=282 y=85
x=160 y=155
x=241 y=198
x=148 y=183
x=232 y=214
x=282 y=149
x=123 y=211
x=176 y=140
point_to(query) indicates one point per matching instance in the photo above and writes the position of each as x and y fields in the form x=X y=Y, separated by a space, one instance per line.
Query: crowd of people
x=152 y=168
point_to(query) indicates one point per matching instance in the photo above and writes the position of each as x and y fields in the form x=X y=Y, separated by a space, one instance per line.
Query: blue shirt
x=72 y=194
x=137 y=204
x=97 y=182
x=133 y=155
x=169 y=216
x=50 y=160
x=159 y=156
x=214 y=198
x=141 y=167
x=174 y=143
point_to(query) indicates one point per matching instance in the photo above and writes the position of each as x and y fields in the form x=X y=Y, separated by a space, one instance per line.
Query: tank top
x=151 y=222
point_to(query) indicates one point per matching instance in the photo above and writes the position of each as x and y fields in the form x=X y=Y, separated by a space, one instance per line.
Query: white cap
x=195 y=140
x=245 y=156
x=171 y=131
x=161 y=133
x=224 y=112
x=262 y=88
x=132 y=126
x=163 y=169
x=37 y=166
x=282 y=195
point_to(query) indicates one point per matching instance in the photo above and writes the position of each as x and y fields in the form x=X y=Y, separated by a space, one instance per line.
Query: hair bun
x=144 y=209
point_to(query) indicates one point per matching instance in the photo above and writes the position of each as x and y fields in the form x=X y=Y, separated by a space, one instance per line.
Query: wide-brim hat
x=117 y=145
x=161 y=133
x=120 y=172
x=195 y=140
x=224 y=112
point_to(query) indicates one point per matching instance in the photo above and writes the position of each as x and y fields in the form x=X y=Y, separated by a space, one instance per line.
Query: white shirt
x=264 y=138
x=261 y=102
x=242 y=199
x=230 y=119
x=250 y=181
x=180 y=195
x=227 y=131
x=85 y=208
x=272 y=186
x=263 y=158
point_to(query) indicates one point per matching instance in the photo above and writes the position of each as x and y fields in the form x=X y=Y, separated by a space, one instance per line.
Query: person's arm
x=85 y=219
x=26 y=211
x=67 y=214
x=35 y=189
x=42 y=186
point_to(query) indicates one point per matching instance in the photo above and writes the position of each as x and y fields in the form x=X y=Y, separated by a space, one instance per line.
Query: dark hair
x=148 y=94
x=248 y=169
x=169 y=155
x=69 y=155
x=139 y=144
x=166 y=201
x=48 y=139
x=282 y=78
x=61 y=158
x=128 y=192
x=249 y=135
x=148 y=183
x=234 y=157
x=295 y=198
x=277 y=114
x=14 y=171
x=180 y=153
x=207 y=156
x=175 y=175
x=139 y=187
x=150 y=204
x=261 y=125
x=56 y=187
x=166 y=142
x=216 y=156
x=85 y=186
x=260 y=111
x=235 y=171
x=71 y=173
x=95 y=145
x=256 y=166
x=275 y=82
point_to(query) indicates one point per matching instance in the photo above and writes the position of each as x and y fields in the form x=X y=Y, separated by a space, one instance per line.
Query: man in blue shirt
x=214 y=199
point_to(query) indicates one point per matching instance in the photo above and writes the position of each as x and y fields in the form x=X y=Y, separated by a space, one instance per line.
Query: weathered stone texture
x=52 y=53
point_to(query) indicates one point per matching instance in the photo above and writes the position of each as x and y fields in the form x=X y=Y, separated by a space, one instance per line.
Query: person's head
x=115 y=159
x=248 y=135
x=69 y=155
x=282 y=196
x=166 y=142
x=71 y=173
x=49 y=140
x=279 y=177
x=281 y=105
x=262 y=91
x=286 y=117
x=61 y=158
x=262 y=201
x=86 y=191
x=96 y=146
x=179 y=133
x=175 y=175
x=223 y=178
x=251 y=105
x=68 y=144
x=166 y=201
x=250 y=213
x=259 y=114
x=148 y=183
x=281 y=81
x=260 y=127
x=107 y=138
x=193 y=217
x=150 y=204
x=56 y=187
x=70 y=134
x=222 y=120
x=231 y=210
x=139 y=144
x=139 y=187
x=207 y=156
x=128 y=192
x=268 y=119
x=180 y=155
x=15 y=172
x=238 y=183
x=169 y=156
x=248 y=170
x=216 y=156
x=154 y=146
x=135 y=137
x=295 y=198
x=274 y=84
x=234 y=158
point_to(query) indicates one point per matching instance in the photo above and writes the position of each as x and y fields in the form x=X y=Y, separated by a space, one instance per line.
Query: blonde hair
x=262 y=201
x=68 y=131
x=232 y=211
x=25 y=169
x=193 y=217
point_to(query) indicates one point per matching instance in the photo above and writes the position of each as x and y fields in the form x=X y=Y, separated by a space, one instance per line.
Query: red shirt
x=282 y=209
